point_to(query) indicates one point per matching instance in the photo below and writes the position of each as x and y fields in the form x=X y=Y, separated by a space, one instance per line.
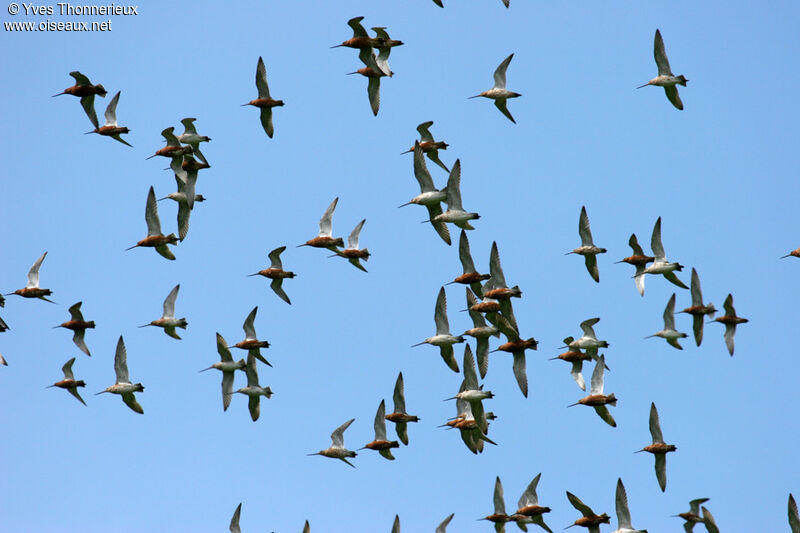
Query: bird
x=78 y=325
x=623 y=513
x=669 y=332
x=384 y=48
x=264 y=101
x=251 y=342
x=528 y=506
x=190 y=137
x=516 y=346
x=276 y=273
x=399 y=416
x=228 y=367
x=123 y=385
x=468 y=426
x=730 y=319
x=596 y=398
x=3 y=360
x=698 y=310
x=470 y=275
x=499 y=516
x=325 y=238
x=659 y=449
x=174 y=149
x=185 y=197
x=337 y=449
x=234 y=527
x=360 y=38
x=587 y=248
x=442 y=528
x=429 y=146
x=155 y=239
x=396 y=524
x=69 y=382
x=372 y=71
x=110 y=128
x=794 y=518
x=665 y=78
x=429 y=195
x=443 y=339
x=32 y=289
x=638 y=260
x=455 y=213
x=708 y=520
x=496 y=288
x=576 y=357
x=692 y=516
x=168 y=320
x=253 y=390
x=499 y=93
x=380 y=443
x=472 y=393
x=306 y=527
x=588 y=341
x=352 y=253
x=481 y=332
x=590 y=519
x=84 y=89
x=660 y=264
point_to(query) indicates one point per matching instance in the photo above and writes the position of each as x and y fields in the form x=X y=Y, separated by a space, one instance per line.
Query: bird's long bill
x=310 y=454
x=299 y=245
x=151 y=157
x=573 y=404
x=101 y=392
x=409 y=203
x=88 y=132
x=49 y=386
x=251 y=275
x=418 y=344
x=209 y=368
x=447 y=399
x=145 y=325
x=477 y=95
x=618 y=262
x=162 y=198
x=132 y=247
x=649 y=337
x=424 y=221
x=645 y=85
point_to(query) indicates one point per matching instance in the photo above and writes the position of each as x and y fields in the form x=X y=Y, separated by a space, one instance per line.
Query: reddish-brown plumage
x=85 y=90
x=471 y=277
x=157 y=240
x=503 y=293
x=265 y=102
x=587 y=521
x=351 y=253
x=370 y=73
x=402 y=417
x=518 y=345
x=597 y=399
x=795 y=253
x=699 y=310
x=427 y=146
x=463 y=423
x=533 y=510
x=174 y=151
x=77 y=324
x=251 y=344
x=486 y=307
x=111 y=130
x=638 y=259
x=33 y=292
x=69 y=384
x=499 y=518
x=731 y=320
x=325 y=242
x=659 y=447
x=573 y=357
x=193 y=164
x=276 y=273
x=362 y=42
x=691 y=517
x=382 y=445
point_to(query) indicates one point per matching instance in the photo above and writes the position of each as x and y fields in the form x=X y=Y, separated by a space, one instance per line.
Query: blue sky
x=721 y=174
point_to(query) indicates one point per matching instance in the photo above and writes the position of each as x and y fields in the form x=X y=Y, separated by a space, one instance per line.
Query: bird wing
x=33 y=273
x=223 y=350
x=496 y=269
x=248 y=326
x=500 y=73
x=438 y=226
x=449 y=359
x=466 y=257
x=234 y=527
x=111 y=110
x=169 y=302
x=421 y=171
x=596 y=383
x=358 y=29
x=623 y=513
x=80 y=79
x=502 y=105
x=121 y=362
x=482 y=352
x=453 y=188
x=266 y=121
x=373 y=92
x=67 y=369
x=584 y=229
x=727 y=305
x=277 y=288
x=424 y=131
x=661 y=56
x=165 y=252
x=576 y=374
x=130 y=401
x=440 y=314
x=655 y=426
x=634 y=244
x=591 y=266
x=470 y=376
x=75 y=311
x=576 y=502
x=254 y=406
x=87 y=102
x=325 y=224
x=188 y=125
x=399 y=395
x=586 y=326
x=442 y=528
x=184 y=214
x=261 y=80
x=251 y=371
x=275 y=258
x=661 y=470
x=169 y=135
x=529 y=495
x=337 y=437
x=603 y=413
x=697 y=295
x=669 y=313
x=674 y=280
x=519 y=372
x=673 y=96
x=151 y=214
x=380 y=422
x=655 y=242
x=730 y=331
x=77 y=338
x=499 y=499
x=352 y=239
x=227 y=389
x=76 y=394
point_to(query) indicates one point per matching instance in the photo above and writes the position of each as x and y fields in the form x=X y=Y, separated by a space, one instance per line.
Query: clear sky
x=722 y=174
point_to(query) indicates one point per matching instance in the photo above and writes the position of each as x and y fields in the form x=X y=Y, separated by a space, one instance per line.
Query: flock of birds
x=488 y=296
